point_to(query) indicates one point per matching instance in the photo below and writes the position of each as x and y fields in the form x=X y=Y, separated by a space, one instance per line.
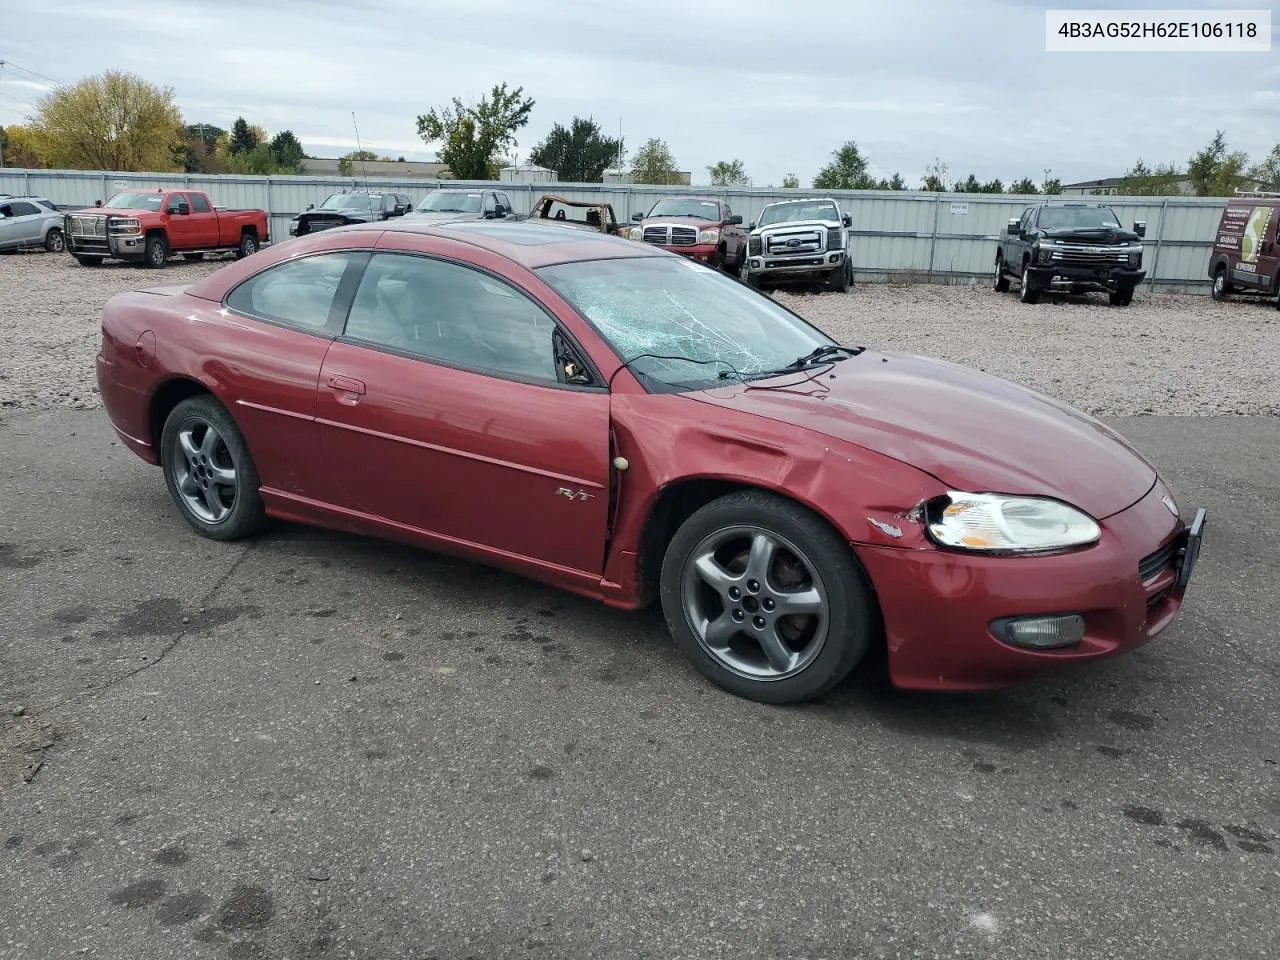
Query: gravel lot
x=1165 y=354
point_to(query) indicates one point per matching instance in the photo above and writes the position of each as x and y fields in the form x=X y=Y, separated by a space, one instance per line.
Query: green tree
x=116 y=121
x=1215 y=171
x=935 y=177
x=847 y=170
x=992 y=186
x=970 y=185
x=243 y=137
x=579 y=153
x=653 y=163
x=1141 y=181
x=791 y=182
x=19 y=147
x=472 y=137
x=1267 y=171
x=892 y=183
x=1023 y=186
x=347 y=163
x=287 y=152
x=729 y=173
x=1051 y=186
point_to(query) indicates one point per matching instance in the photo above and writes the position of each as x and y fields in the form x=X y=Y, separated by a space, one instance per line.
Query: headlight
x=1135 y=257
x=1043 y=252
x=753 y=245
x=709 y=236
x=125 y=225
x=996 y=523
x=637 y=233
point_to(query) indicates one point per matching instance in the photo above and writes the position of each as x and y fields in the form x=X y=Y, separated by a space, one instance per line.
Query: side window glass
x=174 y=200
x=452 y=314
x=488 y=203
x=24 y=209
x=198 y=203
x=298 y=293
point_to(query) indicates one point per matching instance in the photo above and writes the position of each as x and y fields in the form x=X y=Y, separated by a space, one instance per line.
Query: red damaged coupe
x=623 y=423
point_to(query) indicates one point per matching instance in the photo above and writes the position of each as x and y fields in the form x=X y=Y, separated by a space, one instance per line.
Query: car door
x=203 y=221
x=24 y=223
x=1269 y=251
x=440 y=409
x=1019 y=245
x=179 y=227
x=265 y=357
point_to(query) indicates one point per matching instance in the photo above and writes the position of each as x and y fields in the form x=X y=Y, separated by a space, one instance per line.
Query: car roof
x=530 y=244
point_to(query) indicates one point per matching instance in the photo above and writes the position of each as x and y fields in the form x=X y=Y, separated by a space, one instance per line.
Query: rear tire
x=729 y=572
x=1001 y=282
x=215 y=483
x=248 y=246
x=54 y=241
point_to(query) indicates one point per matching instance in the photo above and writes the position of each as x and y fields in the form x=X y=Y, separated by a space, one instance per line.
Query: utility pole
x=1 y=137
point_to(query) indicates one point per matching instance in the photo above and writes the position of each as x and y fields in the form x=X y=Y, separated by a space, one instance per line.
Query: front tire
x=1221 y=289
x=1028 y=293
x=839 y=280
x=765 y=599
x=54 y=241
x=745 y=275
x=209 y=471
x=248 y=246
x=156 y=253
x=1122 y=297
x=86 y=261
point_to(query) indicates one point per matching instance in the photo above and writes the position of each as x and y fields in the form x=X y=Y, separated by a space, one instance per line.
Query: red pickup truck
x=150 y=226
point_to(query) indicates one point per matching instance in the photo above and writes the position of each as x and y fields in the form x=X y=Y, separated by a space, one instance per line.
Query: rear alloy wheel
x=1028 y=293
x=1220 y=289
x=54 y=241
x=248 y=246
x=209 y=472
x=156 y=253
x=1001 y=282
x=765 y=599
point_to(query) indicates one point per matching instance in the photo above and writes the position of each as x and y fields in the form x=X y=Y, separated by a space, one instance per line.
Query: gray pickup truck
x=462 y=204
x=799 y=239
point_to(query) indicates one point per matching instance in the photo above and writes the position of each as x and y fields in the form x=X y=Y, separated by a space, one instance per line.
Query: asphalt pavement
x=315 y=746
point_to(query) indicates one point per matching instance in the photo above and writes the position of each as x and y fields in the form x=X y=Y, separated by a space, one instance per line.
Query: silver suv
x=798 y=239
x=29 y=222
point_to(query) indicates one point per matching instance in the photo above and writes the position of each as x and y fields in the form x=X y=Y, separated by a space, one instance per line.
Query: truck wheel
x=156 y=254
x=745 y=275
x=1028 y=293
x=54 y=241
x=248 y=246
x=88 y=261
x=1001 y=282
x=839 y=279
x=1221 y=289
x=1122 y=297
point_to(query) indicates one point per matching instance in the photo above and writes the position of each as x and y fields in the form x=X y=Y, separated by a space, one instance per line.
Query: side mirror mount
x=500 y=211
x=311 y=206
x=734 y=220
x=184 y=209
x=751 y=225
x=637 y=217
x=1140 y=227
x=847 y=220
x=1012 y=229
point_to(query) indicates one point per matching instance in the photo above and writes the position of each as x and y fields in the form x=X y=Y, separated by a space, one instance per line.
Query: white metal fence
x=938 y=237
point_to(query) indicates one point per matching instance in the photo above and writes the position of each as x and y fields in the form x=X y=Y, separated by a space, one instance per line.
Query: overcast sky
x=778 y=85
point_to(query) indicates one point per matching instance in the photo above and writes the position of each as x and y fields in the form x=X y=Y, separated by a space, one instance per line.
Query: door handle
x=349 y=389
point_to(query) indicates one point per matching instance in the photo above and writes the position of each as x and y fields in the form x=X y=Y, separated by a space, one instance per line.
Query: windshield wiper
x=827 y=353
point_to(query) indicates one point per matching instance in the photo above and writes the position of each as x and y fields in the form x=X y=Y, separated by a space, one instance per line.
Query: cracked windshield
x=682 y=325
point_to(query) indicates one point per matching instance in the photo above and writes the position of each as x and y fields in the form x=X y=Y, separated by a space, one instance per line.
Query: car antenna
x=363 y=167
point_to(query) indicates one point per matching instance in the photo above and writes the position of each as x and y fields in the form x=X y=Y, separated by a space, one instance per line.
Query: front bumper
x=761 y=265
x=702 y=252
x=938 y=606
x=114 y=246
x=1084 y=275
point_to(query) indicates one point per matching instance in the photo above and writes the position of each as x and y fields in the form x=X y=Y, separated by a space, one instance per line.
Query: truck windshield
x=697 y=322
x=790 y=212
x=700 y=209
x=1078 y=218
x=443 y=202
x=352 y=201
x=135 y=201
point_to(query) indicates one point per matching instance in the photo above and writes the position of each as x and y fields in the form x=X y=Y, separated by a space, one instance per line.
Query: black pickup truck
x=1070 y=248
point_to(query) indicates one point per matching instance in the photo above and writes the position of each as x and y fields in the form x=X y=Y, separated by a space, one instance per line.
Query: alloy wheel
x=755 y=602
x=204 y=472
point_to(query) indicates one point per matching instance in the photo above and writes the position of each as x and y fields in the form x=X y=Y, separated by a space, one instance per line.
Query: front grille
x=683 y=236
x=794 y=241
x=796 y=262
x=88 y=226
x=323 y=223
x=655 y=234
x=1153 y=564
x=1078 y=254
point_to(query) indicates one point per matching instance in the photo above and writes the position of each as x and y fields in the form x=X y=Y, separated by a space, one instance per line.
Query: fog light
x=1040 y=633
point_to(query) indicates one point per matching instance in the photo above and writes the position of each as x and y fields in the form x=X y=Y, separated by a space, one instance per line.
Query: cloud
x=968 y=83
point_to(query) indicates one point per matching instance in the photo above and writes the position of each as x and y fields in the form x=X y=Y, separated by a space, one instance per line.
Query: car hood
x=798 y=225
x=1101 y=236
x=352 y=216
x=971 y=430
x=680 y=221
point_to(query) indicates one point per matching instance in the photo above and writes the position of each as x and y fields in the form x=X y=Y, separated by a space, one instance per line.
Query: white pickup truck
x=795 y=239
